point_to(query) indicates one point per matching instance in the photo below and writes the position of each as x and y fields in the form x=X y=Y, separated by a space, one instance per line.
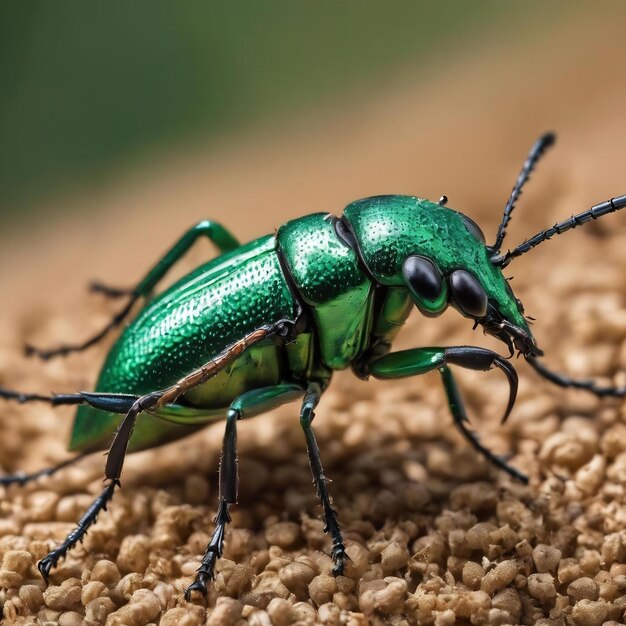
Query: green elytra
x=246 y=288
x=268 y=322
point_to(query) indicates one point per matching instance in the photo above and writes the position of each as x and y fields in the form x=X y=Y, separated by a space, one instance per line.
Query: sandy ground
x=435 y=536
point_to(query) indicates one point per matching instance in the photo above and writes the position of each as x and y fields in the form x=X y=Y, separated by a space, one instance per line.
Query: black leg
x=109 y=292
x=115 y=461
x=307 y=414
x=229 y=481
x=461 y=421
x=152 y=401
x=112 y=402
x=215 y=232
x=63 y=350
x=565 y=381
x=22 y=479
x=99 y=504
x=54 y=399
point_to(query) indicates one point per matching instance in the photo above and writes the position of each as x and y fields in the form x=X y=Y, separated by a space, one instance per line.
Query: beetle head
x=441 y=256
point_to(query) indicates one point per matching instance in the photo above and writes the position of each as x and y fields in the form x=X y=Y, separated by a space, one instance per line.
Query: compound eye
x=474 y=228
x=468 y=294
x=426 y=284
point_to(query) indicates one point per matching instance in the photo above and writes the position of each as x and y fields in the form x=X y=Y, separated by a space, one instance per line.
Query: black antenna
x=599 y=210
x=536 y=152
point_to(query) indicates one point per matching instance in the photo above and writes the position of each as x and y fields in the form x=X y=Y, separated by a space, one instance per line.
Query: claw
x=196 y=585
x=45 y=567
x=511 y=375
x=339 y=556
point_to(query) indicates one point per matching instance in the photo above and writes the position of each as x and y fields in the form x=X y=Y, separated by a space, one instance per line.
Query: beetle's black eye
x=468 y=294
x=473 y=227
x=426 y=284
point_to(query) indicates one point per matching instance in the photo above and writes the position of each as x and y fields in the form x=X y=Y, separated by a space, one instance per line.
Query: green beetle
x=268 y=322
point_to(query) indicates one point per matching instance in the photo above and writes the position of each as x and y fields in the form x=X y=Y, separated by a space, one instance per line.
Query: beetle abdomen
x=185 y=327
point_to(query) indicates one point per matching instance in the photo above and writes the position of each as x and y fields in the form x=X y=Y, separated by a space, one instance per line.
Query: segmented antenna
x=536 y=152
x=595 y=212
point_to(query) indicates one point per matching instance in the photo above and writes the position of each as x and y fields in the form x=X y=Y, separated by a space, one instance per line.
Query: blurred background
x=121 y=125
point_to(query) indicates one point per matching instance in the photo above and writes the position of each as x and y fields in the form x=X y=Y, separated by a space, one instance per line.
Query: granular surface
x=434 y=534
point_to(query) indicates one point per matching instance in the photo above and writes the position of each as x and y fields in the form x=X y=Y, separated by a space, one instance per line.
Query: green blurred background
x=91 y=89
x=121 y=124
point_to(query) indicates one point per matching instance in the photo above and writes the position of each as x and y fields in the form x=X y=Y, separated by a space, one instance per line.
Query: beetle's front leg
x=113 y=471
x=459 y=414
x=562 y=380
x=421 y=360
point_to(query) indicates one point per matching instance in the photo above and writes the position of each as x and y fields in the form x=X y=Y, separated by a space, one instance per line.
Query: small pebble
x=106 y=572
x=589 y=613
x=546 y=558
x=227 y=612
x=541 y=587
x=500 y=576
x=322 y=588
x=583 y=588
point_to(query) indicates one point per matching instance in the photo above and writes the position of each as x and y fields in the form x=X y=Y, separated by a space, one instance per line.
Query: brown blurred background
x=121 y=127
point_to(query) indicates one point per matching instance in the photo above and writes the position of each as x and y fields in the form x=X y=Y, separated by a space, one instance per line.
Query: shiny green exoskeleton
x=268 y=322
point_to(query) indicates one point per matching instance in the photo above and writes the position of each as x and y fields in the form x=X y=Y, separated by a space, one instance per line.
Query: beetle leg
x=338 y=551
x=113 y=472
x=246 y=405
x=215 y=232
x=22 y=479
x=565 y=381
x=156 y=399
x=62 y=350
x=457 y=408
x=54 y=399
x=111 y=402
x=422 y=360
x=229 y=483
x=113 y=293
x=99 y=504
x=117 y=451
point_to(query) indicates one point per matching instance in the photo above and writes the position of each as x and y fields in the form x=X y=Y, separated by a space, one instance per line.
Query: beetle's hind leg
x=55 y=399
x=112 y=402
x=22 y=479
x=216 y=233
x=148 y=402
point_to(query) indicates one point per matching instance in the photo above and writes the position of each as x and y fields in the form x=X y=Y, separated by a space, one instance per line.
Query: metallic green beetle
x=268 y=322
